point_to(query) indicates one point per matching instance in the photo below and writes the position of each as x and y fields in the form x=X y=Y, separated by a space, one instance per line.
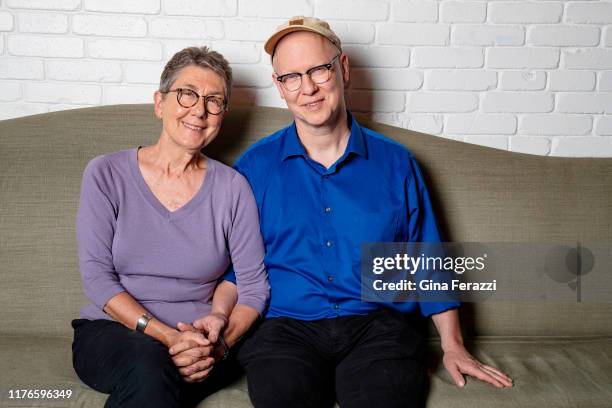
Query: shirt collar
x=356 y=143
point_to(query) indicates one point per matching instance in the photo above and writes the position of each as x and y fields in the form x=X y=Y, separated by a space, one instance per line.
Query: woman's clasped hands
x=196 y=347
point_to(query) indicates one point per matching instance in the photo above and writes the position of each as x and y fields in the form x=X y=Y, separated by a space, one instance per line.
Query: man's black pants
x=136 y=369
x=375 y=360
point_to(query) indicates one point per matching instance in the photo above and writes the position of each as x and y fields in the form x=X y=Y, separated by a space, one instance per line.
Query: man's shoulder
x=382 y=146
x=264 y=150
x=267 y=143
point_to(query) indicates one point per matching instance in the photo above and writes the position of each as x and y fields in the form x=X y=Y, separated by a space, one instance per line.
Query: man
x=323 y=186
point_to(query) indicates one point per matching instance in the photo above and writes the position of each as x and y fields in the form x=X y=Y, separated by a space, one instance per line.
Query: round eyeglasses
x=188 y=98
x=319 y=75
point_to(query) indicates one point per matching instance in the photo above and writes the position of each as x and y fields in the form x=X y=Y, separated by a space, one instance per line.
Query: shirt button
x=329 y=244
x=330 y=278
x=336 y=306
x=327 y=209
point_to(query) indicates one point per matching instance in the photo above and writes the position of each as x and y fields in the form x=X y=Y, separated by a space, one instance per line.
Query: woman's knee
x=150 y=379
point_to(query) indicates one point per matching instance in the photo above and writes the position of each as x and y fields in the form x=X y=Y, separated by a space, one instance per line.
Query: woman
x=156 y=229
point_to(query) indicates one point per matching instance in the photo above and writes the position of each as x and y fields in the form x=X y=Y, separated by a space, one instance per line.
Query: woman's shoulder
x=104 y=161
x=228 y=176
x=109 y=165
x=224 y=172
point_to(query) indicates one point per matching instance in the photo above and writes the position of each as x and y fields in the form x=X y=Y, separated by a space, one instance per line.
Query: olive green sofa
x=559 y=354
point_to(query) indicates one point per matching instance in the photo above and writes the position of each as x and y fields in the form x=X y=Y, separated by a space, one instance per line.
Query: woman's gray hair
x=202 y=57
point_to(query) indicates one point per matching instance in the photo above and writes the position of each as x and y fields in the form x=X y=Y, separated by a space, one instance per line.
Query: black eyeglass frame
x=180 y=91
x=327 y=66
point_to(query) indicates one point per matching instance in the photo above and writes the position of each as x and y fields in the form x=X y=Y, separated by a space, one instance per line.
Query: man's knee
x=386 y=382
x=288 y=382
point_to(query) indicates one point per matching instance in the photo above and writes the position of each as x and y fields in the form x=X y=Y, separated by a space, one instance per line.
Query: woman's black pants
x=136 y=369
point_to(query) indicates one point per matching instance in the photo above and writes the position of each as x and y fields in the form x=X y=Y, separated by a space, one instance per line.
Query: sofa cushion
x=560 y=372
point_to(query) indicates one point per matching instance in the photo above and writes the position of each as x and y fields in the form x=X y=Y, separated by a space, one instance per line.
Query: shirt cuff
x=432 y=308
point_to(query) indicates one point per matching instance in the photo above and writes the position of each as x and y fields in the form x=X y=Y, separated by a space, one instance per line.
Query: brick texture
x=528 y=76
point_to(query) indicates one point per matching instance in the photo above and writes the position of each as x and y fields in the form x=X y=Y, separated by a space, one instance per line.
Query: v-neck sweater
x=169 y=261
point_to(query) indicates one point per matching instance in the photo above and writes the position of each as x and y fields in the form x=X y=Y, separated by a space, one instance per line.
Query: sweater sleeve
x=246 y=247
x=95 y=228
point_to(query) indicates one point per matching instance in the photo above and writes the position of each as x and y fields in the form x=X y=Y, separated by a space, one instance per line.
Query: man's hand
x=459 y=361
x=191 y=353
x=212 y=325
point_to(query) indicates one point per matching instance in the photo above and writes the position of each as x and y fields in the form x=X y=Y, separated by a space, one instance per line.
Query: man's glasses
x=188 y=98
x=319 y=75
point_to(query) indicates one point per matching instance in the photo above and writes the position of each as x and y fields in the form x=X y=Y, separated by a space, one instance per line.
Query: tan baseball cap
x=301 y=23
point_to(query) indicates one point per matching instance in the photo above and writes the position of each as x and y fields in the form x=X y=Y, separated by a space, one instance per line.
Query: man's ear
x=158 y=101
x=344 y=61
x=279 y=86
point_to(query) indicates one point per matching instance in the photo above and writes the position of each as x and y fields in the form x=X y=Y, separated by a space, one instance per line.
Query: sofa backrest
x=481 y=194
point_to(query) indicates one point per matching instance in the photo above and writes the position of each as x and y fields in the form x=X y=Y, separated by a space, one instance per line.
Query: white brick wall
x=575 y=36
x=122 y=6
x=272 y=8
x=572 y=81
x=460 y=80
x=605 y=81
x=520 y=102
x=554 y=124
x=6 y=21
x=63 y=93
x=442 y=102
x=481 y=124
x=527 y=76
x=604 y=126
x=44 y=23
x=416 y=11
x=10 y=91
x=525 y=12
x=21 y=68
x=596 y=12
x=446 y=57
x=504 y=57
x=64 y=5
x=110 y=26
x=523 y=80
x=181 y=27
x=41 y=46
x=369 y=10
x=125 y=49
x=84 y=70
x=468 y=34
x=208 y=8
x=463 y=12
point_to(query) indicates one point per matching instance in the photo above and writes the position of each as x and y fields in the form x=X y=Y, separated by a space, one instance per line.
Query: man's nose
x=308 y=86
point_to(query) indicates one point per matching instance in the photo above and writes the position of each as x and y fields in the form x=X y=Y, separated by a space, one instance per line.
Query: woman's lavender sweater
x=168 y=261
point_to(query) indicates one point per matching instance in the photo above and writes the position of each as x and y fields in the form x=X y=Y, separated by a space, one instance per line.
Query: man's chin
x=318 y=118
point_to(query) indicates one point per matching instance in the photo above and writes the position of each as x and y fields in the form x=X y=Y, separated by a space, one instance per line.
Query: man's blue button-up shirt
x=314 y=220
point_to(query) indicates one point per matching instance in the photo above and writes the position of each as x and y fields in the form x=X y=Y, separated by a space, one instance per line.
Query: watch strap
x=226 y=349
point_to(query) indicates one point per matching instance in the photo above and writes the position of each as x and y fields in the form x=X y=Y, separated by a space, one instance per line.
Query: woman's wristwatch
x=142 y=322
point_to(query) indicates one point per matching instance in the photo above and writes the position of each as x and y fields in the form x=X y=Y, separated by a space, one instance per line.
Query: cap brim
x=277 y=36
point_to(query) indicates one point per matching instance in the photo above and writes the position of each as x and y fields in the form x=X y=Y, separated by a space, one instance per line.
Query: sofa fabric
x=560 y=354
